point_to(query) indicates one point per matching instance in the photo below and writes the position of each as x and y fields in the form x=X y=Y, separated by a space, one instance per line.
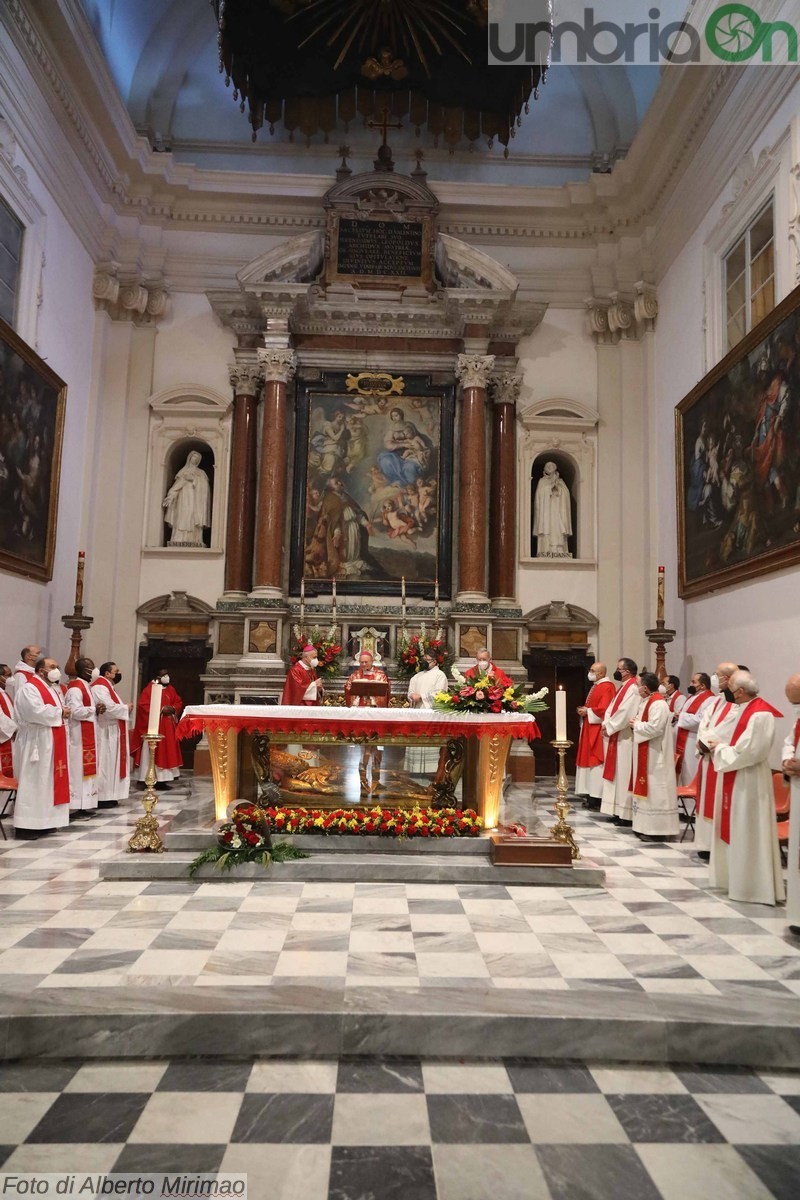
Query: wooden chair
x=781 y=790
x=9 y=786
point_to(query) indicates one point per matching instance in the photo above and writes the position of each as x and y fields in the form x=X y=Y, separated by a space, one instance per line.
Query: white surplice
x=82 y=788
x=656 y=814
x=20 y=674
x=33 y=759
x=749 y=866
x=8 y=726
x=616 y=795
x=110 y=787
x=719 y=724
x=791 y=749
x=424 y=760
x=691 y=723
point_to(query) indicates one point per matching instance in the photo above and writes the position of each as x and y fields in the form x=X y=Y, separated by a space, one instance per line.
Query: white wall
x=756 y=622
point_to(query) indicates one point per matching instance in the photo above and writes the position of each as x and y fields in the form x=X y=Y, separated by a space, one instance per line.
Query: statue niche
x=187 y=503
x=554 y=509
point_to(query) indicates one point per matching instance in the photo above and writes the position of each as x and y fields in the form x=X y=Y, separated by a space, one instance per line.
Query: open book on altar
x=367 y=688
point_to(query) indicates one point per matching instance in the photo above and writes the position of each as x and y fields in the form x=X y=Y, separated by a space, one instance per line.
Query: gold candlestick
x=562 y=831
x=147 y=838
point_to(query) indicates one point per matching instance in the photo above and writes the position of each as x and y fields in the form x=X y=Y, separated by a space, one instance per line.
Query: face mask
x=796 y=709
x=314 y=662
x=592 y=677
x=54 y=675
x=728 y=694
x=118 y=677
x=618 y=676
x=715 y=682
x=95 y=674
x=164 y=680
x=663 y=690
x=691 y=690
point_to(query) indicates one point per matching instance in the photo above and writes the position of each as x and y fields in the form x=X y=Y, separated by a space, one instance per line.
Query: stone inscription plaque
x=380 y=248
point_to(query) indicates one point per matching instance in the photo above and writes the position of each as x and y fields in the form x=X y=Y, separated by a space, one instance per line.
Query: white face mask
x=164 y=680
x=796 y=709
x=592 y=677
x=663 y=690
x=715 y=683
x=314 y=662
x=54 y=676
x=95 y=674
x=482 y=665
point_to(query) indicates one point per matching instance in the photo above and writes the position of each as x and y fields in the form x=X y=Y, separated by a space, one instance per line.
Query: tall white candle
x=403 y=587
x=155 y=710
x=333 y=600
x=561 y=715
x=302 y=602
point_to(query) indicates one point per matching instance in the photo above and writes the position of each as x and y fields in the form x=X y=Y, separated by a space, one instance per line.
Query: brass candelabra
x=562 y=831
x=146 y=838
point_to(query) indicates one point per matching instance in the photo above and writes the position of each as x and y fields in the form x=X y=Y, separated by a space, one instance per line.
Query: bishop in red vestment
x=168 y=755
x=485 y=666
x=365 y=671
x=303 y=685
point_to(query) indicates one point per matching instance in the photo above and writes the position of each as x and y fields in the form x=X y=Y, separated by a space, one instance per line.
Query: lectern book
x=367 y=688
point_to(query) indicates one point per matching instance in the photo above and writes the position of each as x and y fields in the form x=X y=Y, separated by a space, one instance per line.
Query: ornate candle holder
x=562 y=831
x=660 y=638
x=146 y=838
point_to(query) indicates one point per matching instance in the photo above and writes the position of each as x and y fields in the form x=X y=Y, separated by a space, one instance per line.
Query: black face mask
x=618 y=676
x=691 y=689
x=728 y=694
x=117 y=678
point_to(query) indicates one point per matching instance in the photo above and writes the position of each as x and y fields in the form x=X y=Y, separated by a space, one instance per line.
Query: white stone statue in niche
x=187 y=504
x=552 y=515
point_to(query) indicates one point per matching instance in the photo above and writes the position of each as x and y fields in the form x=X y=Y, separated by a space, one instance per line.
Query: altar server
x=369 y=754
x=422 y=687
x=654 y=792
x=168 y=754
x=700 y=699
x=82 y=741
x=591 y=745
x=114 y=777
x=616 y=801
x=303 y=685
x=745 y=856
x=28 y=657
x=40 y=753
x=485 y=666
x=717 y=722
x=790 y=757
x=8 y=726
x=671 y=688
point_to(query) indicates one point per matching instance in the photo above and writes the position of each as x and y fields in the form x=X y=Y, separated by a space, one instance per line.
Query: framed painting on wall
x=32 y=404
x=738 y=470
x=372 y=501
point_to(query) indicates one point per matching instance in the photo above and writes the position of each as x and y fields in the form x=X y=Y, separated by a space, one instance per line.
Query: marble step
x=311 y=843
x=357 y=868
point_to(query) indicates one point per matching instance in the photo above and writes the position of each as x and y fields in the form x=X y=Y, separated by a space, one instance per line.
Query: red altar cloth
x=387 y=722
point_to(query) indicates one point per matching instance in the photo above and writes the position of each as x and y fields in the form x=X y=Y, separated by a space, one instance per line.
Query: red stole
x=611 y=753
x=88 y=740
x=673 y=700
x=710 y=783
x=694 y=705
x=60 y=763
x=754 y=706
x=122 y=726
x=6 y=764
x=638 y=780
x=590 y=742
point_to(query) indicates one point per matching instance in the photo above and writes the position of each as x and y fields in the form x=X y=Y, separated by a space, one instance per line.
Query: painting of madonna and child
x=738 y=468
x=373 y=488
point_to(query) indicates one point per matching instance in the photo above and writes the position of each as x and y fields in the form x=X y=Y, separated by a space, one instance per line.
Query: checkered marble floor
x=655 y=928
x=406 y=1129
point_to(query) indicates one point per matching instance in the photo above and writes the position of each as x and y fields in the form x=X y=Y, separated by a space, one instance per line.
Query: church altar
x=482 y=739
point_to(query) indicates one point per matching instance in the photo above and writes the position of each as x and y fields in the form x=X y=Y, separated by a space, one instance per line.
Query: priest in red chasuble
x=485 y=666
x=303 y=685
x=40 y=753
x=591 y=747
x=168 y=755
x=354 y=697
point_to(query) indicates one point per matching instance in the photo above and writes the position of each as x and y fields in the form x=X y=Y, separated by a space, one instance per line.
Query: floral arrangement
x=483 y=694
x=411 y=652
x=325 y=643
x=245 y=837
x=381 y=822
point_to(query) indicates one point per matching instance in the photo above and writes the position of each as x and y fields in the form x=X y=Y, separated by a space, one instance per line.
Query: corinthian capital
x=277 y=365
x=506 y=388
x=246 y=378
x=473 y=370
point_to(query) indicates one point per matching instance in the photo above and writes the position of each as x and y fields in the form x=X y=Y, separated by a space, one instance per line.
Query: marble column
x=245 y=377
x=473 y=372
x=503 y=492
x=278 y=366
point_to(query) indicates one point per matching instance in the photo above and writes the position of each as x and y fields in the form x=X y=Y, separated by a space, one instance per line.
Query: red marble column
x=503 y=498
x=473 y=373
x=278 y=366
x=245 y=380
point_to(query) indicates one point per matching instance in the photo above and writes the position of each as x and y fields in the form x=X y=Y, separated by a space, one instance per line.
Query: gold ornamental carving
x=375 y=383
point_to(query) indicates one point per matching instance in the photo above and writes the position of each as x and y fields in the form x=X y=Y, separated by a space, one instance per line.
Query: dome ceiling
x=164 y=57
